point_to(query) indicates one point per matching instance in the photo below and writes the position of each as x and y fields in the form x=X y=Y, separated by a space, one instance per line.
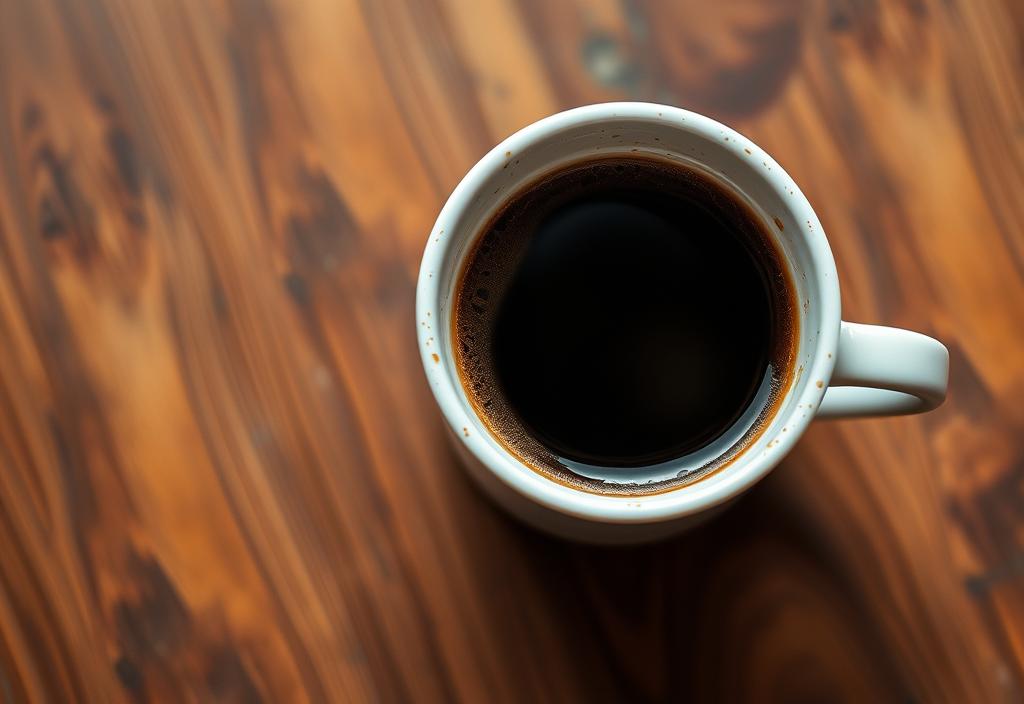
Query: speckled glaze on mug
x=842 y=369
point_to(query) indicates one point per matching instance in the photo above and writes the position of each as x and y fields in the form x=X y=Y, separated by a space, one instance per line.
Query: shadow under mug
x=843 y=369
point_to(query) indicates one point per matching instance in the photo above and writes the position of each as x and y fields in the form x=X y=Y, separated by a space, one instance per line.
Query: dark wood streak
x=222 y=473
x=346 y=404
x=731 y=62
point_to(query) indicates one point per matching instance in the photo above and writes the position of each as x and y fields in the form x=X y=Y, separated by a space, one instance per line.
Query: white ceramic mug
x=844 y=369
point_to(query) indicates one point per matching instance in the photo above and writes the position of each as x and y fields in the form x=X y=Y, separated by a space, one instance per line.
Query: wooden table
x=222 y=475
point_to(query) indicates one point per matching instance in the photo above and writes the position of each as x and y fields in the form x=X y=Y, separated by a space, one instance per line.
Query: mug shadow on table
x=751 y=604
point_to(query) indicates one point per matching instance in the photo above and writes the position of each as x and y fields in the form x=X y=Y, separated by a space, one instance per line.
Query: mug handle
x=882 y=371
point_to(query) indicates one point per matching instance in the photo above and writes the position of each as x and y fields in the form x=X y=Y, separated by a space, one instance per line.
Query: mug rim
x=723 y=484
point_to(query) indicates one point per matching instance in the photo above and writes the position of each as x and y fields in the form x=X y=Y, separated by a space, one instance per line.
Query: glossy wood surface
x=223 y=478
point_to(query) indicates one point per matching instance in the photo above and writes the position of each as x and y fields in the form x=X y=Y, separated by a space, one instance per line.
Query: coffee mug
x=843 y=370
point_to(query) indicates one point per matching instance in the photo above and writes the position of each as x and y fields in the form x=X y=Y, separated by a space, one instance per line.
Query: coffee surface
x=624 y=324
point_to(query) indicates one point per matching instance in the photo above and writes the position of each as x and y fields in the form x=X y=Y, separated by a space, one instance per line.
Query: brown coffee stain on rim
x=724 y=460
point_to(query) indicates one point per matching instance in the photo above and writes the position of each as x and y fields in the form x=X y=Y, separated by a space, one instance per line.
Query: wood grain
x=222 y=476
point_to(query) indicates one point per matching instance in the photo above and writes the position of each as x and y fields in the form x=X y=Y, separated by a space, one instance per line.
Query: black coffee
x=625 y=324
